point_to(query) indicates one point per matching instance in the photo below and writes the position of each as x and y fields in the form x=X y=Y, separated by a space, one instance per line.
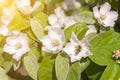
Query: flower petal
x=105 y=8
x=9 y=49
x=96 y=12
x=52 y=19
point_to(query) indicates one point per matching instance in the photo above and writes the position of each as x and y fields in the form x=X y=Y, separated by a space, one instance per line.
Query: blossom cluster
x=54 y=41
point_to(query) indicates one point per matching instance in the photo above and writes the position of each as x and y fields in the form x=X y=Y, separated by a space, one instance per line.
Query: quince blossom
x=25 y=6
x=59 y=20
x=104 y=16
x=52 y=43
x=16 y=45
x=5 y=20
x=77 y=49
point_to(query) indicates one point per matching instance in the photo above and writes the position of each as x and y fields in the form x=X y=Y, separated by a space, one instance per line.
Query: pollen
x=77 y=49
x=18 y=46
x=103 y=17
x=55 y=43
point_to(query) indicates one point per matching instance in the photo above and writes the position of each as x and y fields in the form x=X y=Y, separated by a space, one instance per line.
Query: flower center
x=77 y=49
x=18 y=46
x=55 y=43
x=103 y=17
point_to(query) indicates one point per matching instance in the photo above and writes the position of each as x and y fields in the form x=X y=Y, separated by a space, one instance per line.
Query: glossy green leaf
x=3 y=75
x=102 y=47
x=79 y=29
x=112 y=72
x=46 y=68
x=37 y=28
x=94 y=71
x=74 y=72
x=42 y=18
x=31 y=65
x=86 y=17
x=18 y=23
x=84 y=64
x=62 y=66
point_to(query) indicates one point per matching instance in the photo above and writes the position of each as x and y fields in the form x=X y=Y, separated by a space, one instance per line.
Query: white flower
x=70 y=5
x=52 y=43
x=92 y=29
x=104 y=16
x=16 y=45
x=25 y=6
x=5 y=20
x=60 y=20
x=77 y=49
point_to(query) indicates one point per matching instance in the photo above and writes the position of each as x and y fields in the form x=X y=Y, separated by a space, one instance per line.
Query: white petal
x=54 y=35
x=74 y=39
x=7 y=16
x=69 y=49
x=22 y=3
x=46 y=41
x=52 y=19
x=92 y=29
x=108 y=23
x=105 y=8
x=17 y=56
x=113 y=15
x=96 y=12
x=24 y=6
x=4 y=30
x=59 y=12
x=9 y=49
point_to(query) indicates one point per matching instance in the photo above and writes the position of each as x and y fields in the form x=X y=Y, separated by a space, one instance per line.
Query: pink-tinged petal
x=9 y=49
x=112 y=15
x=108 y=23
x=105 y=8
x=96 y=12
x=92 y=29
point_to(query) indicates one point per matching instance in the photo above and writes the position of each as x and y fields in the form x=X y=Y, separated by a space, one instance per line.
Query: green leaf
x=62 y=66
x=18 y=23
x=3 y=75
x=79 y=29
x=84 y=64
x=37 y=28
x=42 y=18
x=74 y=72
x=31 y=65
x=94 y=71
x=86 y=17
x=31 y=35
x=7 y=62
x=46 y=68
x=102 y=47
x=112 y=72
